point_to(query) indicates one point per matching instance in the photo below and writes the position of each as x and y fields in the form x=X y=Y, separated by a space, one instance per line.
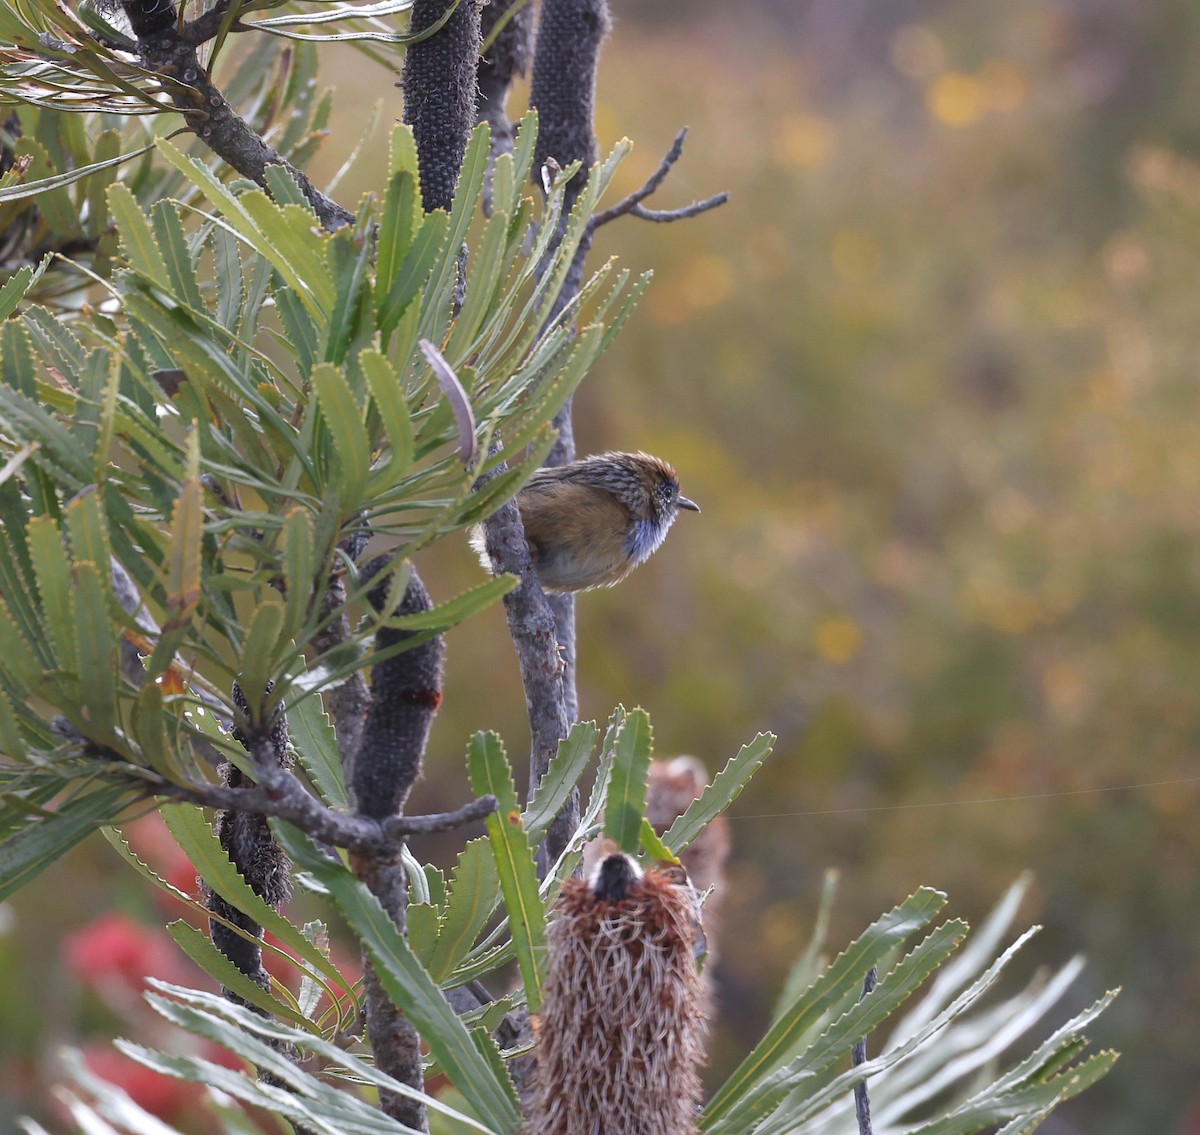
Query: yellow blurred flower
x=838 y=640
x=804 y=141
x=957 y=99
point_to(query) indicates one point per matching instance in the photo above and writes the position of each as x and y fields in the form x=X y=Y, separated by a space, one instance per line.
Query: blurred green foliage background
x=933 y=376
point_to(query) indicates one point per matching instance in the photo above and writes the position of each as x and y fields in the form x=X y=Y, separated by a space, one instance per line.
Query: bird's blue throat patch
x=644 y=538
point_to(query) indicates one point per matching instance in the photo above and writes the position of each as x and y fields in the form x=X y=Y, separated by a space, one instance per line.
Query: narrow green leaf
x=456 y=610
x=317 y=749
x=299 y=570
x=198 y=946
x=260 y=653
x=172 y=245
x=106 y=152
x=626 y=802
x=137 y=238
x=839 y=983
x=387 y=397
x=411 y=988
x=428 y=247
x=54 y=588
x=227 y=275
x=195 y=837
x=12 y=744
x=351 y=446
x=424 y=925
x=14 y=289
x=59 y=180
x=96 y=638
x=347 y=264
x=335 y=1109
x=399 y=222
x=183 y=565
x=490 y=774
x=720 y=794
x=42 y=841
x=470 y=901
x=566 y=767
x=818 y=1065
x=653 y=846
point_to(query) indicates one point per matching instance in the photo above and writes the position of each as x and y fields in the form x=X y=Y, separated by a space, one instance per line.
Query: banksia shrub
x=620 y=1039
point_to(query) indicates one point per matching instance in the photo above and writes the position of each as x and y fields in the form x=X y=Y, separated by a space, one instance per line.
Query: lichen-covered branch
x=536 y=638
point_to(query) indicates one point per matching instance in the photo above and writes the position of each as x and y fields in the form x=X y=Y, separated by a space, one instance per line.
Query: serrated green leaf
x=95 y=640
x=227 y=276
x=260 y=653
x=811 y=1072
x=183 y=566
x=317 y=749
x=456 y=610
x=54 y=588
x=195 y=837
x=347 y=264
x=88 y=529
x=198 y=946
x=424 y=924
x=333 y=1108
x=137 y=239
x=724 y=789
x=387 y=397
x=470 y=901
x=412 y=989
x=515 y=864
x=653 y=846
x=299 y=570
x=566 y=768
x=343 y=416
x=839 y=983
x=428 y=246
x=399 y=222
x=626 y=802
x=12 y=744
x=280 y=244
x=173 y=247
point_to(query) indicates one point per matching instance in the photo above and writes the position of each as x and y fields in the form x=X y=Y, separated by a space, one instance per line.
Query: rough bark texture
x=507 y=58
x=440 y=94
x=405 y=694
x=246 y=838
x=171 y=54
x=570 y=35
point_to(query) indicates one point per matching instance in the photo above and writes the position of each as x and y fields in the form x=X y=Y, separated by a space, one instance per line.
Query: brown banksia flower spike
x=620 y=1040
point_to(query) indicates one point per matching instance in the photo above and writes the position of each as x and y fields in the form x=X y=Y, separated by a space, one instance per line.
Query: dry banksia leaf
x=620 y=1038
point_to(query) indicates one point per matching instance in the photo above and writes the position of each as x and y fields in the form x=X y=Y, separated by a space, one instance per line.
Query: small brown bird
x=590 y=523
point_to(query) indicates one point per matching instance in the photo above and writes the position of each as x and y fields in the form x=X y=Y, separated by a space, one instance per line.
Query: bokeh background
x=934 y=376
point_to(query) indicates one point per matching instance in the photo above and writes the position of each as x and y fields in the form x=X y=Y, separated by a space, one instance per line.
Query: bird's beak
x=691 y=506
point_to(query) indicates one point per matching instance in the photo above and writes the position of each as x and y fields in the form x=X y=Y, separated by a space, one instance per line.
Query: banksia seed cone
x=620 y=1038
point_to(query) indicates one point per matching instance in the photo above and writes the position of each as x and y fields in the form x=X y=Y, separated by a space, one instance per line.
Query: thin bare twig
x=858 y=1055
x=287 y=798
x=632 y=205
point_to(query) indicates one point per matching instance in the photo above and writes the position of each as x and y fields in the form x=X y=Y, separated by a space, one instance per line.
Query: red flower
x=114 y=949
